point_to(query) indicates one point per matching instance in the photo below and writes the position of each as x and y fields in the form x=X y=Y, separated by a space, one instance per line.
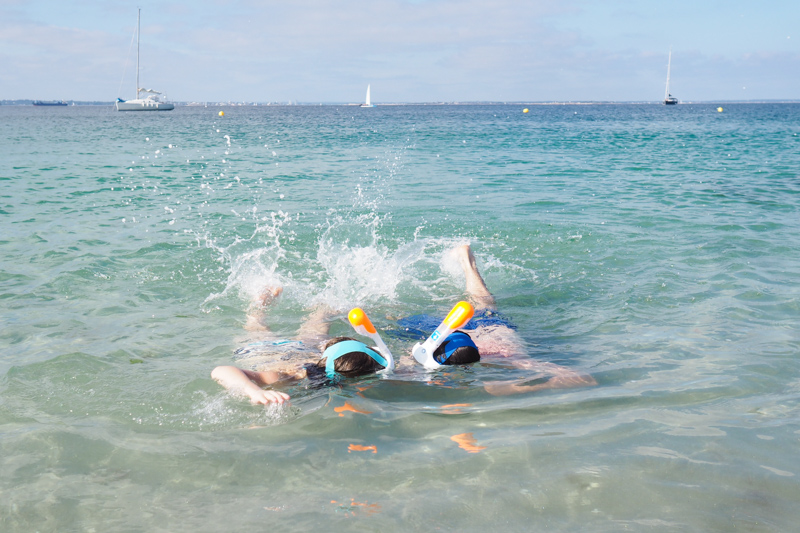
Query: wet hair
x=461 y=356
x=350 y=364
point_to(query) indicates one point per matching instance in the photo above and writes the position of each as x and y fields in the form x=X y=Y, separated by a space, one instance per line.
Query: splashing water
x=655 y=249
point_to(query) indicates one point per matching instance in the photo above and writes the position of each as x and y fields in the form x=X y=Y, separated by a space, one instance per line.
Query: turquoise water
x=656 y=248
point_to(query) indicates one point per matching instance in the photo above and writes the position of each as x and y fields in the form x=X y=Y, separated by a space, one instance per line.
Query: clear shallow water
x=656 y=248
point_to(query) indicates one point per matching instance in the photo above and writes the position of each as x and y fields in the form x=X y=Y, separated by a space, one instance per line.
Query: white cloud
x=317 y=50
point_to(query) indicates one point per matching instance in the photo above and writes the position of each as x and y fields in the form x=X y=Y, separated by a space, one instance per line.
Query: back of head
x=457 y=349
x=353 y=363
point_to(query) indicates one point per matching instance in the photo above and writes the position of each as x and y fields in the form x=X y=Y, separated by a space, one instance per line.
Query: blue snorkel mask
x=458 y=316
x=453 y=342
x=332 y=353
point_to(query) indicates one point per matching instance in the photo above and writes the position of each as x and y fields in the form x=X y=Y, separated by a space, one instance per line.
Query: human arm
x=249 y=383
x=554 y=376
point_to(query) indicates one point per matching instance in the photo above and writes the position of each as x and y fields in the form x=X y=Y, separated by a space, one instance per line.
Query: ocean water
x=656 y=248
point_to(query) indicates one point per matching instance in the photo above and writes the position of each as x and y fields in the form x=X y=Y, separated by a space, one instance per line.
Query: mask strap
x=332 y=353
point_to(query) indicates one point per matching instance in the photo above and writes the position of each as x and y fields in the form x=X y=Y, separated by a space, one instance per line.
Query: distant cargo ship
x=55 y=102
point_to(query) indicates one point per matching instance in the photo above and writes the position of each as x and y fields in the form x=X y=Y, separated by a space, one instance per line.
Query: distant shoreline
x=73 y=103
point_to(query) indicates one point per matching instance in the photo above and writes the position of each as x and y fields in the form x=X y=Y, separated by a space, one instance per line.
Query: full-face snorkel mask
x=332 y=353
x=454 y=341
x=363 y=326
x=457 y=317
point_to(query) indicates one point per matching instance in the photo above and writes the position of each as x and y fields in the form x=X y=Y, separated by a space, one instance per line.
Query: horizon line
x=254 y=103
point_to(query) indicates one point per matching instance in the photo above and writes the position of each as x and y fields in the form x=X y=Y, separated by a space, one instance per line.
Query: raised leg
x=255 y=313
x=476 y=287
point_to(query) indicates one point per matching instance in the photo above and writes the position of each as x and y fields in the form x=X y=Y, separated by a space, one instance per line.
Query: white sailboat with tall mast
x=151 y=102
x=668 y=98
x=368 y=102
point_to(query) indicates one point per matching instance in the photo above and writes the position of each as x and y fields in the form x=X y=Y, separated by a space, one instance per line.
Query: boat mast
x=138 y=32
x=669 y=64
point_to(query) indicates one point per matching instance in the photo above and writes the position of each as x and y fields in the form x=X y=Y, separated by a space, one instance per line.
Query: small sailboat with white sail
x=368 y=102
x=668 y=98
x=152 y=100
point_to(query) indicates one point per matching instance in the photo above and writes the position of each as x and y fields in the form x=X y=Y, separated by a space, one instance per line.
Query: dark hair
x=461 y=356
x=350 y=364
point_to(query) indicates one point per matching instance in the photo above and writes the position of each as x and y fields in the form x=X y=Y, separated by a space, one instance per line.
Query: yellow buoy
x=719 y=109
x=525 y=110
x=222 y=113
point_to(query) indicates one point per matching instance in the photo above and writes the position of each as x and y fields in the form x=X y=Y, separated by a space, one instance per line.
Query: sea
x=656 y=248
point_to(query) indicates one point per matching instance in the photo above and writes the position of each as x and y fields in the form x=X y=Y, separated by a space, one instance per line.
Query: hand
x=267 y=396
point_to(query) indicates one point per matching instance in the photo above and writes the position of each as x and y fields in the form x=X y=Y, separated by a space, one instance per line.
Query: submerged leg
x=316 y=325
x=476 y=287
x=255 y=313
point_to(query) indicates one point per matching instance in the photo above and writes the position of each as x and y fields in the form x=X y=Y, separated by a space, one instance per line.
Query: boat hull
x=670 y=101
x=144 y=105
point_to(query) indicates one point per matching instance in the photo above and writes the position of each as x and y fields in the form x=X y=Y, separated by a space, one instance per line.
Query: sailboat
x=368 y=102
x=668 y=98
x=151 y=102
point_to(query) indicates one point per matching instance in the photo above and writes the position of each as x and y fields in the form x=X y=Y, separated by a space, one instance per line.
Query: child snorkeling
x=489 y=335
x=299 y=358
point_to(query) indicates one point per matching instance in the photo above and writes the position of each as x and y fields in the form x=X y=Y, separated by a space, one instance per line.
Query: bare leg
x=316 y=326
x=476 y=287
x=499 y=340
x=255 y=313
x=559 y=377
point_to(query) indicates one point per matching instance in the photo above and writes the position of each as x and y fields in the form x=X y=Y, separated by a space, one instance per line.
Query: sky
x=328 y=51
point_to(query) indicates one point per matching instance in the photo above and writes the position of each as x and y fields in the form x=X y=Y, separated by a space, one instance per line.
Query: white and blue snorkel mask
x=453 y=342
x=332 y=353
x=458 y=316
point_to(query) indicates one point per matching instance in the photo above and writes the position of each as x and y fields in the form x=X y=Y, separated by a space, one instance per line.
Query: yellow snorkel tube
x=456 y=318
x=361 y=323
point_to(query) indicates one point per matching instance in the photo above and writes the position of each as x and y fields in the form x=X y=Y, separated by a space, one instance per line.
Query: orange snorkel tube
x=363 y=326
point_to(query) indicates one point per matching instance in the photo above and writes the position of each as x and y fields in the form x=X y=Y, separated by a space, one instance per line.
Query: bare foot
x=268 y=295
x=255 y=314
x=476 y=287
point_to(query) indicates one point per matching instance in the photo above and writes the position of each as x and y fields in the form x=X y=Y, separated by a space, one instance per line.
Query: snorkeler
x=488 y=335
x=341 y=356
